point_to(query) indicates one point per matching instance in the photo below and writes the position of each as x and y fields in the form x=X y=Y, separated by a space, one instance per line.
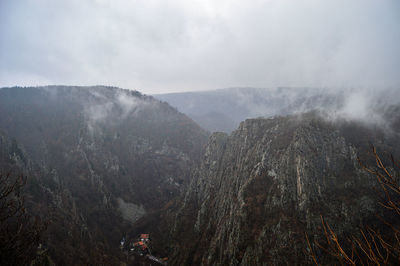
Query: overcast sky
x=182 y=45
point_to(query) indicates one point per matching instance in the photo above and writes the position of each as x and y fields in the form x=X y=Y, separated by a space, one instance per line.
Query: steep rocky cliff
x=260 y=189
x=99 y=159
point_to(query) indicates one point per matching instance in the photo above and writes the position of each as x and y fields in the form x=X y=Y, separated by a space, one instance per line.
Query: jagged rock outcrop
x=102 y=157
x=260 y=189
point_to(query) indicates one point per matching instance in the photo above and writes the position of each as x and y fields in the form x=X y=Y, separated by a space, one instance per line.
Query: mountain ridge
x=224 y=109
x=106 y=156
x=105 y=163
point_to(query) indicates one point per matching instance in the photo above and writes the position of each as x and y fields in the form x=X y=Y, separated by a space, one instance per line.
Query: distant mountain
x=223 y=109
x=99 y=158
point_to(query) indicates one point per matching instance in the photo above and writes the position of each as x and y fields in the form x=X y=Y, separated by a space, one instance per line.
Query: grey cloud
x=177 y=45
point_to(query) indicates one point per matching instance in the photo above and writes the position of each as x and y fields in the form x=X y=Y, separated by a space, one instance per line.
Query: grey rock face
x=130 y=211
x=259 y=190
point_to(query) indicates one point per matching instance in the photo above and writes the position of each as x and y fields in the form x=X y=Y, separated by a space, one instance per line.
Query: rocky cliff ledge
x=259 y=190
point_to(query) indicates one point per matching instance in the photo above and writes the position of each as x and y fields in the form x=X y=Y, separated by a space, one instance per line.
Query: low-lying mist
x=224 y=109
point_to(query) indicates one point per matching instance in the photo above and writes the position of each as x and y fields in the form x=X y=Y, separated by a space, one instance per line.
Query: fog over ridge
x=224 y=109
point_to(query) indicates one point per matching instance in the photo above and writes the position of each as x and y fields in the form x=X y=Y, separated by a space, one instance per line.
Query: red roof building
x=144 y=236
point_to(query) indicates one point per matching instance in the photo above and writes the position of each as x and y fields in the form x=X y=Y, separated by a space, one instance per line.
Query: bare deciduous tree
x=371 y=246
